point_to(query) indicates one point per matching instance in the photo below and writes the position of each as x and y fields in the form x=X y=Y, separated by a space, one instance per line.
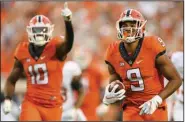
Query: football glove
x=7 y=107
x=150 y=106
x=66 y=12
x=112 y=97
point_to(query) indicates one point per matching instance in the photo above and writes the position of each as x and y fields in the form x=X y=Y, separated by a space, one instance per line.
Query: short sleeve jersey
x=43 y=75
x=138 y=72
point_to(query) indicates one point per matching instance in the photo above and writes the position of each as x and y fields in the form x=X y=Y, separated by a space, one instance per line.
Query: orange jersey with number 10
x=138 y=72
x=44 y=76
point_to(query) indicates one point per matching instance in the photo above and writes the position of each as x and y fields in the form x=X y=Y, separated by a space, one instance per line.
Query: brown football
x=121 y=86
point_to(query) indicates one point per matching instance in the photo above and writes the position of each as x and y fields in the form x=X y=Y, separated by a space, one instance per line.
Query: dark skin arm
x=77 y=86
x=23 y=75
x=114 y=108
x=166 y=67
x=168 y=70
x=113 y=74
x=66 y=46
x=12 y=79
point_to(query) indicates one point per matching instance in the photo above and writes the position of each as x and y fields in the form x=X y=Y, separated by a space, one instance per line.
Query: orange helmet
x=39 y=30
x=139 y=29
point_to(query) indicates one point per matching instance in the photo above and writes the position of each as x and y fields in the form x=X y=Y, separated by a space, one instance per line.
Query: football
x=121 y=86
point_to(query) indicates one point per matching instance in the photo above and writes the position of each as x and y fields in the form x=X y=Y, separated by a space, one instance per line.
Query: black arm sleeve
x=69 y=36
x=65 y=47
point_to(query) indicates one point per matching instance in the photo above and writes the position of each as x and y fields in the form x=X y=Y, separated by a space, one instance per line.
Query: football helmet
x=130 y=15
x=39 y=30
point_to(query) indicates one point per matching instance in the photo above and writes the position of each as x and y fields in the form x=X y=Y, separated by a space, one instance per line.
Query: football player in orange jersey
x=140 y=63
x=42 y=59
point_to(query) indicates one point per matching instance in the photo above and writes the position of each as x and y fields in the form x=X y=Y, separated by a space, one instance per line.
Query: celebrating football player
x=140 y=63
x=41 y=58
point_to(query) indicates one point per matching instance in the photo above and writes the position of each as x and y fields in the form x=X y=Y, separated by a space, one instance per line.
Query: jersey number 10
x=39 y=74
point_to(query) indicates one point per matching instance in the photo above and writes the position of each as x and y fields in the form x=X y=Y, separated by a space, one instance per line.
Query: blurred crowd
x=94 y=25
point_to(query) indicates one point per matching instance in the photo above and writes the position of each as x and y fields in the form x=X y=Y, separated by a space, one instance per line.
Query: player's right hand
x=7 y=107
x=112 y=96
x=66 y=12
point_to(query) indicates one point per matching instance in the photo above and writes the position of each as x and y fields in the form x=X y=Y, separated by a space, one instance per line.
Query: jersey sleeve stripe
x=108 y=63
x=160 y=54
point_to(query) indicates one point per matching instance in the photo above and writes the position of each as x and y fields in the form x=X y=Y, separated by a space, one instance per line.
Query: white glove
x=150 y=106
x=112 y=97
x=7 y=107
x=66 y=12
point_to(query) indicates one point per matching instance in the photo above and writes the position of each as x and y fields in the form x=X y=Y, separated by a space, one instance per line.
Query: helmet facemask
x=132 y=33
x=40 y=35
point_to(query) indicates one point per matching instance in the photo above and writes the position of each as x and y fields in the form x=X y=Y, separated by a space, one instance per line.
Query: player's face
x=129 y=28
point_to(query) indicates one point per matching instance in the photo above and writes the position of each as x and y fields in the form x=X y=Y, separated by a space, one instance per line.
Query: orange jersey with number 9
x=44 y=75
x=138 y=72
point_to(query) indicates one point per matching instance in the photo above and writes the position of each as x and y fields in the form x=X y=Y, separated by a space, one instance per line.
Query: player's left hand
x=66 y=12
x=150 y=106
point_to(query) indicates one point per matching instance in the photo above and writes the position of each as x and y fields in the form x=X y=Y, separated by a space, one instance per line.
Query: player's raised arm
x=10 y=85
x=65 y=47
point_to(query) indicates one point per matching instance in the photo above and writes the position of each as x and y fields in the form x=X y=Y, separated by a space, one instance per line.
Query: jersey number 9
x=134 y=76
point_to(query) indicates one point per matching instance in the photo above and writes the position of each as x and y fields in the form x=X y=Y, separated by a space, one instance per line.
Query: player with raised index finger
x=41 y=57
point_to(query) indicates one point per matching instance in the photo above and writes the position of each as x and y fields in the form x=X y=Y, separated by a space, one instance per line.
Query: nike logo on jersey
x=42 y=57
x=137 y=62
x=121 y=64
x=109 y=97
x=28 y=60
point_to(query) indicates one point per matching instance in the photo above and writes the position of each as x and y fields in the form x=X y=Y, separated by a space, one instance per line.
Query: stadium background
x=94 y=26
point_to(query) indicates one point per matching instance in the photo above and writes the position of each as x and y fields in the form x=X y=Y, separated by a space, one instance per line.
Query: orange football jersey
x=44 y=75
x=138 y=72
